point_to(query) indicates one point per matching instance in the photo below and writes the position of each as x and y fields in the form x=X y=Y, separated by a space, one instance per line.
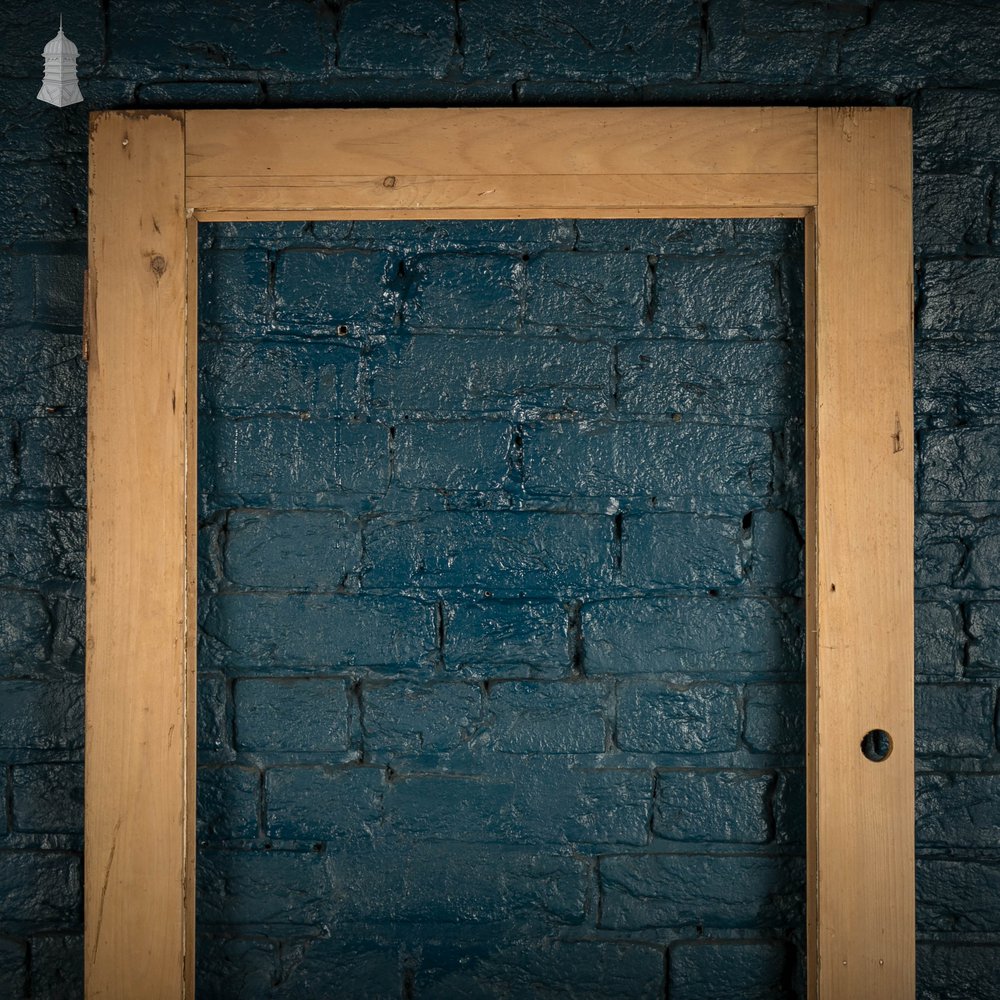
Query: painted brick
x=931 y=41
x=331 y=631
x=53 y=453
x=939 y=640
x=284 y=456
x=957 y=551
x=585 y=291
x=677 y=551
x=41 y=545
x=700 y=890
x=416 y=40
x=954 y=719
x=213 y=712
x=456 y=456
x=233 y=289
x=504 y=553
x=469 y=884
x=729 y=379
x=391 y=883
x=685 y=237
x=57 y=965
x=984 y=638
x=649 y=41
x=961 y=296
x=437 y=236
x=338 y=965
x=427 y=718
x=199 y=94
x=950 y=211
x=320 y=550
x=323 y=803
x=13 y=968
x=670 y=461
x=24 y=628
x=50 y=371
x=748 y=291
x=456 y=375
x=790 y=807
x=39 y=889
x=750 y=970
x=597 y=969
x=956 y=972
x=982 y=568
x=444 y=286
x=58 y=195
x=956 y=125
x=228 y=802
x=263 y=888
x=954 y=380
x=177 y=35
x=661 y=717
x=720 y=806
x=235 y=967
x=58 y=291
x=752 y=306
x=85 y=25
x=530 y=802
x=497 y=638
x=773 y=41
x=41 y=715
x=690 y=636
x=775 y=718
x=319 y=289
x=47 y=798
x=548 y=717
x=264 y=706
x=776 y=551
x=942 y=546
x=957 y=896
x=958 y=810
x=245 y=378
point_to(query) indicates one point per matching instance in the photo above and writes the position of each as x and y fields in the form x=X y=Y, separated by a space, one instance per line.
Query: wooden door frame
x=155 y=175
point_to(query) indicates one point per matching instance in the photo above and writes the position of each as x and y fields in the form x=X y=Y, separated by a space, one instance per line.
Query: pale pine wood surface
x=139 y=808
x=487 y=141
x=498 y=163
x=496 y=196
x=861 y=586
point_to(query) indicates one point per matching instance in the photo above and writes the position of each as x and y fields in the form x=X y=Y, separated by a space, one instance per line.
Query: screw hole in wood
x=876 y=745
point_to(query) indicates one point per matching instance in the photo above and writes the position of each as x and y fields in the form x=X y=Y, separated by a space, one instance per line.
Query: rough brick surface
x=751 y=970
x=501 y=522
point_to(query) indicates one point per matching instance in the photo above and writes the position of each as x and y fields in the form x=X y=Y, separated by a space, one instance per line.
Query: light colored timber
x=487 y=141
x=495 y=196
x=812 y=794
x=861 y=593
x=140 y=809
x=847 y=172
x=578 y=212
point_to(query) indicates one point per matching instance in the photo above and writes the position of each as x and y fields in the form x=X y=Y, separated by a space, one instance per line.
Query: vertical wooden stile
x=138 y=900
x=860 y=516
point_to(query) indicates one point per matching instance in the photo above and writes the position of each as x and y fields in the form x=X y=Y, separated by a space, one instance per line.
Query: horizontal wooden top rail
x=499 y=162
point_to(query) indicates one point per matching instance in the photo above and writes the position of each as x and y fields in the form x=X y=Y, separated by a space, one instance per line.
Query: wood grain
x=495 y=196
x=578 y=212
x=487 y=141
x=861 y=584
x=139 y=813
x=853 y=165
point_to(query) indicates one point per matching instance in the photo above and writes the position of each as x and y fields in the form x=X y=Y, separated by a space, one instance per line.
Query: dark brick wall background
x=501 y=614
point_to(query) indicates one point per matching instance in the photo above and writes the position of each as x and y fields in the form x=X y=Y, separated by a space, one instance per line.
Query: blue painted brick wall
x=501 y=634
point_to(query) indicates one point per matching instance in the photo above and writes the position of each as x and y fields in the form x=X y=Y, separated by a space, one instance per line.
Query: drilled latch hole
x=876 y=745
